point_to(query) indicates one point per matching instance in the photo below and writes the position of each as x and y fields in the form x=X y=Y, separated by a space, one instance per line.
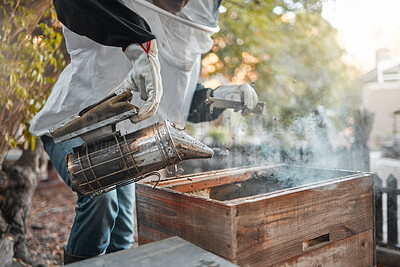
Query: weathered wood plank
x=149 y=234
x=259 y=229
x=273 y=228
x=192 y=182
x=354 y=251
x=204 y=223
x=170 y=252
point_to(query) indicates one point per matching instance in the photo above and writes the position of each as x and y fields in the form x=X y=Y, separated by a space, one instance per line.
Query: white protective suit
x=96 y=69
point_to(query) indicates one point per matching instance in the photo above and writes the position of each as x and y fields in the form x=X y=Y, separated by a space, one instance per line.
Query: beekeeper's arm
x=200 y=110
x=111 y=23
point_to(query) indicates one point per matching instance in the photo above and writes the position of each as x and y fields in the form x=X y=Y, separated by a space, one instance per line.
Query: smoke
x=306 y=141
x=312 y=142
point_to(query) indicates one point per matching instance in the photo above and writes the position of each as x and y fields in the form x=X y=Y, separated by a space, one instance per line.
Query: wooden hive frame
x=329 y=222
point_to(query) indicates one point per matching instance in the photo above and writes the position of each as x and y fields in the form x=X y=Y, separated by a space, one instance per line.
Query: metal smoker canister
x=103 y=166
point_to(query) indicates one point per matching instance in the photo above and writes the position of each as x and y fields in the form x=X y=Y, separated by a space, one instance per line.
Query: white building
x=381 y=94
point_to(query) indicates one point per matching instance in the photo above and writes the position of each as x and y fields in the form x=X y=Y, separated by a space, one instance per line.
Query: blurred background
x=328 y=70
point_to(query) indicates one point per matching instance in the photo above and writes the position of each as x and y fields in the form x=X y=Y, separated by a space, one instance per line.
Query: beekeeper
x=153 y=49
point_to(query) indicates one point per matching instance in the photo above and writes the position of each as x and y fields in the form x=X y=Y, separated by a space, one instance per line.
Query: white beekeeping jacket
x=96 y=69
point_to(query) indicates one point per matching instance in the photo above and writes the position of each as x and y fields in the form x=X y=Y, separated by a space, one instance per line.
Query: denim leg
x=106 y=219
x=94 y=221
x=122 y=236
x=58 y=152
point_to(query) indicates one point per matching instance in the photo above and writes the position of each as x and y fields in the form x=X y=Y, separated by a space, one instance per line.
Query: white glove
x=144 y=78
x=243 y=92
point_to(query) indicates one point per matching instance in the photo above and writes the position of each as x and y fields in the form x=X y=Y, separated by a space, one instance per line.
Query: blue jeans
x=102 y=225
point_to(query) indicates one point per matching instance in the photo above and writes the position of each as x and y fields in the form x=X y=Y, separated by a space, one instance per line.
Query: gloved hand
x=243 y=92
x=144 y=78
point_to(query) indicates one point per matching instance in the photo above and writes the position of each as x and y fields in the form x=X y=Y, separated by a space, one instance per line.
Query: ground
x=50 y=220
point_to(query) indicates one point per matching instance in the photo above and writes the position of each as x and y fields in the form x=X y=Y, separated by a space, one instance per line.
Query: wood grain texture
x=194 y=182
x=354 y=251
x=263 y=229
x=204 y=223
x=276 y=227
x=149 y=234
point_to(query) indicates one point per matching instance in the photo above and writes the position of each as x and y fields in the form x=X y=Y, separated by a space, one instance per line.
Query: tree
x=289 y=52
x=30 y=62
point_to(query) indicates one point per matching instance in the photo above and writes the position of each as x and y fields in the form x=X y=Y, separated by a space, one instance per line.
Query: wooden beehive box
x=261 y=216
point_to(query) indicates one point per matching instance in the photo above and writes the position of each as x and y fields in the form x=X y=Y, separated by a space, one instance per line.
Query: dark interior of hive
x=259 y=183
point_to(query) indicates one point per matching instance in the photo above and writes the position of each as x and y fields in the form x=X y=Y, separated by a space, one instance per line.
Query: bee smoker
x=103 y=166
x=108 y=160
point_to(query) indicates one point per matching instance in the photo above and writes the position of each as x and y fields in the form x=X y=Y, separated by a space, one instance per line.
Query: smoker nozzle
x=187 y=147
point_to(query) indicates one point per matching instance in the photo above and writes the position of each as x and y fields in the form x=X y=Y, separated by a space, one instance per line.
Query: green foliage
x=289 y=52
x=30 y=61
